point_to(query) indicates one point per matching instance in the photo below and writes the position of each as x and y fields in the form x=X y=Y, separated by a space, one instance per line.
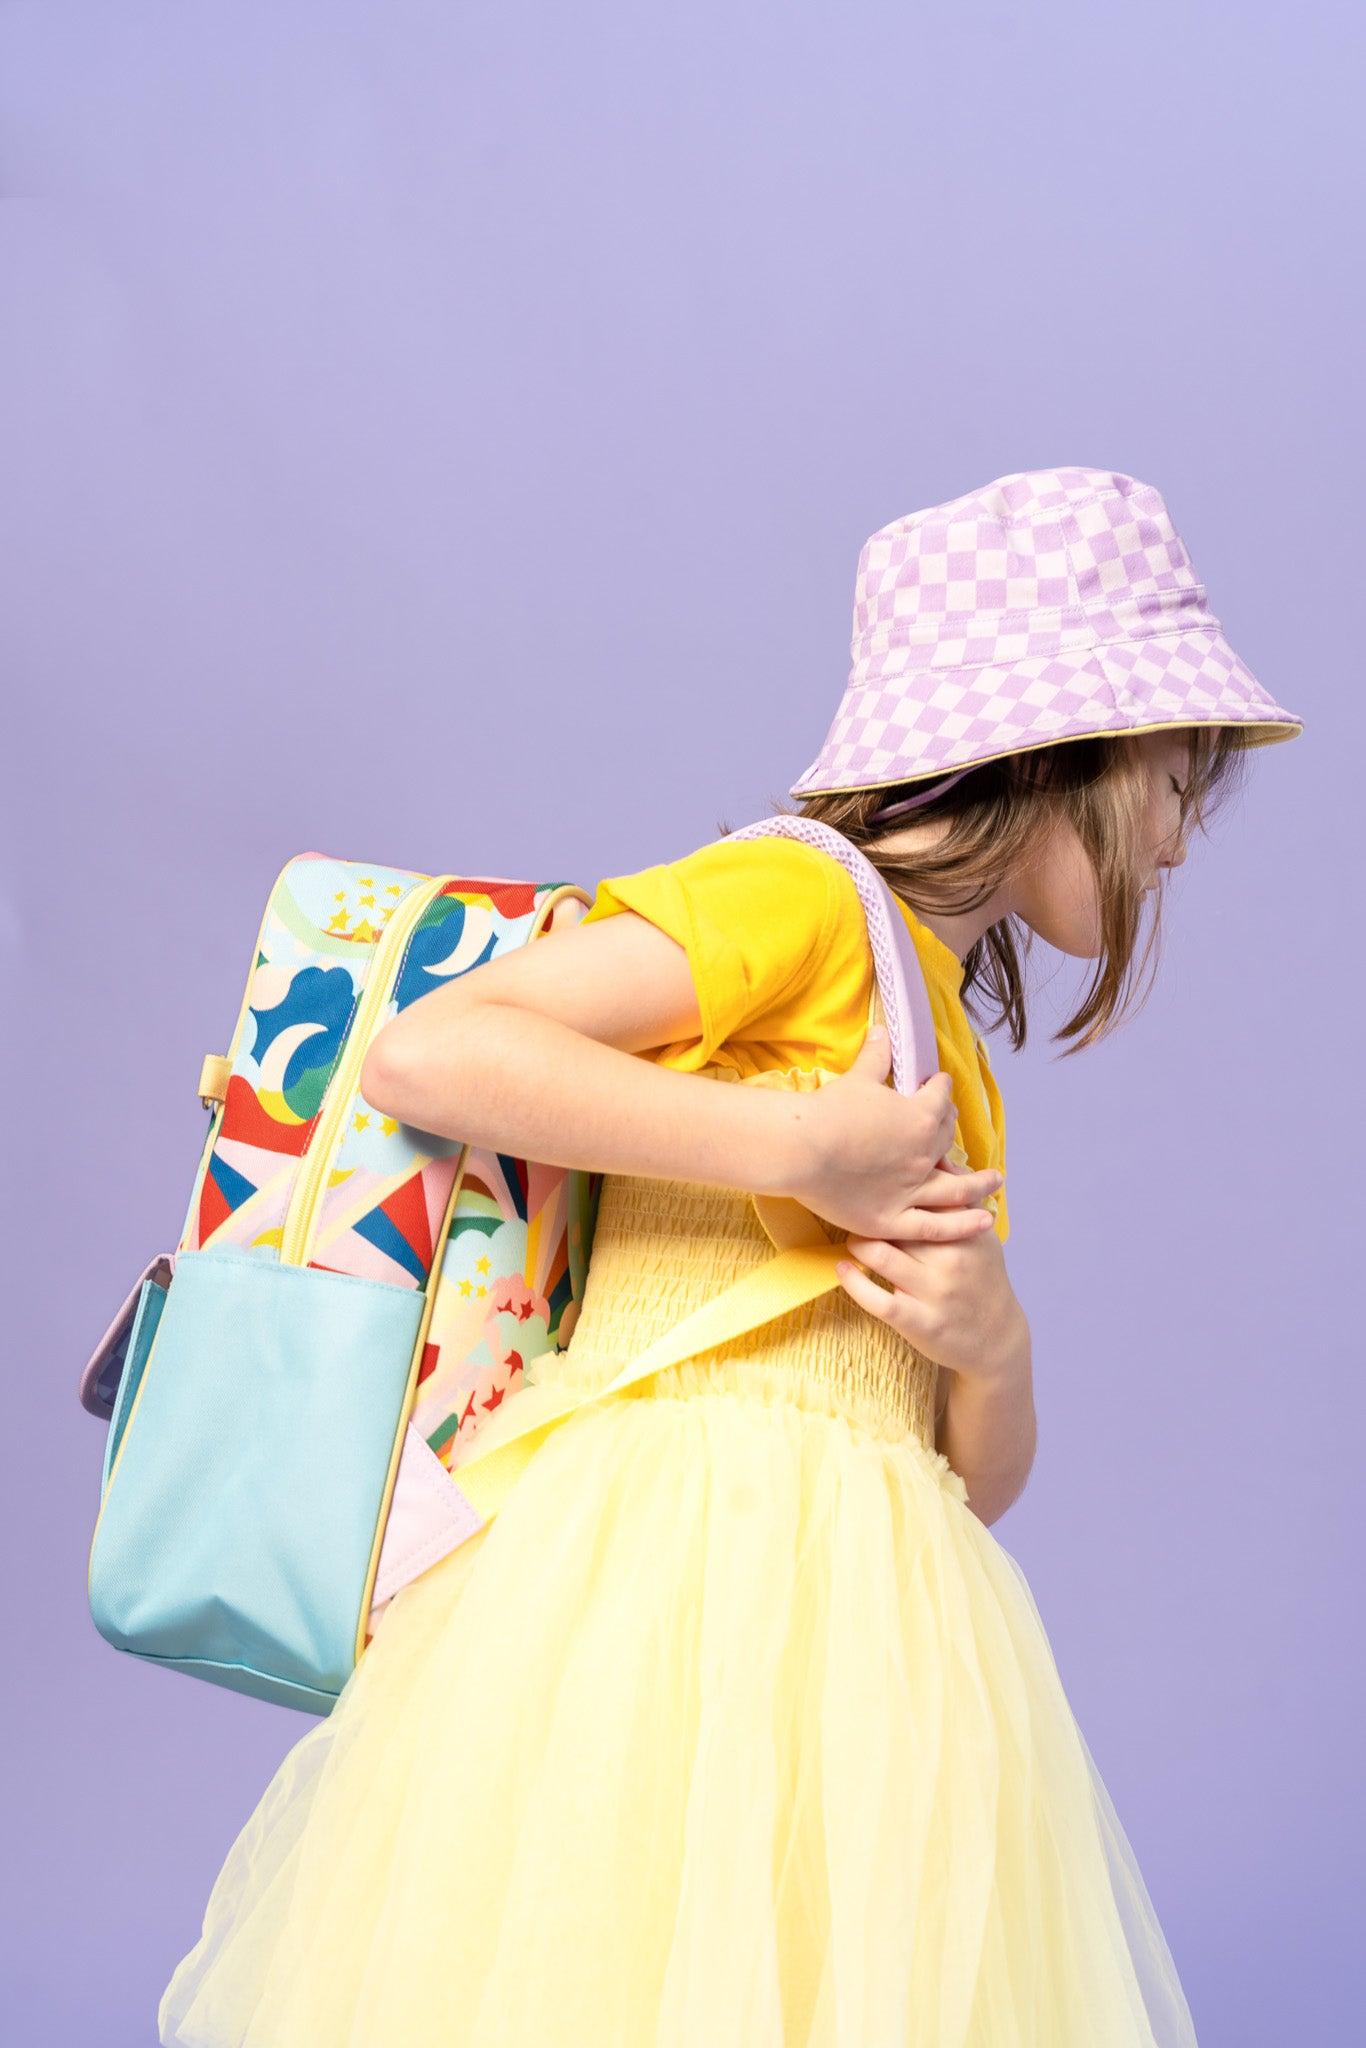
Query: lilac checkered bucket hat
x=1053 y=605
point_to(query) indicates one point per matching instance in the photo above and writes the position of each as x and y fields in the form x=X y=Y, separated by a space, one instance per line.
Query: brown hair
x=996 y=817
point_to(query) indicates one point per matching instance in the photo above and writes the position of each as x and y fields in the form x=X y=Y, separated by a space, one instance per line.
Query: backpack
x=296 y=1395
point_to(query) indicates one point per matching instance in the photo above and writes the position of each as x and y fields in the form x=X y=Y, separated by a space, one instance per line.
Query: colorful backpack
x=309 y=1400
x=287 y=1389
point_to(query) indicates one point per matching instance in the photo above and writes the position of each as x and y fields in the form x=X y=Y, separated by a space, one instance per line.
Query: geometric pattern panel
x=322 y=925
x=387 y=1185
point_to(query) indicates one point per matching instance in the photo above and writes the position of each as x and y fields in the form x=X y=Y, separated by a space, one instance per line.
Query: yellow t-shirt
x=778 y=946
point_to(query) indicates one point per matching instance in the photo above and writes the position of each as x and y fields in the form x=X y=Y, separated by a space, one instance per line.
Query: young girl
x=737 y=1726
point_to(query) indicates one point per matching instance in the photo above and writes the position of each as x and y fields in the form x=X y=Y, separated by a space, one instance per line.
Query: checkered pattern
x=1047 y=606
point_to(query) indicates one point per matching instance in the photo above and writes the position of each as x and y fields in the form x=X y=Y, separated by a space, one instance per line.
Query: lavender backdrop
x=448 y=434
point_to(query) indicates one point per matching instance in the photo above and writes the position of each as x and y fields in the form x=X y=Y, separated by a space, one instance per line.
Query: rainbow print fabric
x=510 y=1286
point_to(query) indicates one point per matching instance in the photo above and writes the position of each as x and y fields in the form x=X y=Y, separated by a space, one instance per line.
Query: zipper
x=296 y=1237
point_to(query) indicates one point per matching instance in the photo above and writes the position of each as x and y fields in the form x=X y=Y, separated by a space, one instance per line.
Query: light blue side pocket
x=245 y=1487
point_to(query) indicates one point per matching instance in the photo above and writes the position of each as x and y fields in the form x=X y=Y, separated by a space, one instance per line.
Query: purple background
x=446 y=435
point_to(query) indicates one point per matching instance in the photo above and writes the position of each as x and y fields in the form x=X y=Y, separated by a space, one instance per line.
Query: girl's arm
x=533 y=1054
x=987 y=1431
x=955 y=1303
x=530 y=1053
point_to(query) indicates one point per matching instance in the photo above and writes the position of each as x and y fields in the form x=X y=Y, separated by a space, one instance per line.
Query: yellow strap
x=796 y=1276
x=213 y=1078
x=789 y=1223
x=789 y=1281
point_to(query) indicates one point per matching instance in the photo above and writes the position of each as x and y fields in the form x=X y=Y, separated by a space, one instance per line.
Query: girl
x=737 y=1726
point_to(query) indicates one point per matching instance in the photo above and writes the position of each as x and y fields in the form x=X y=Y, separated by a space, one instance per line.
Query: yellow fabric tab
x=789 y=1223
x=786 y=1282
x=213 y=1078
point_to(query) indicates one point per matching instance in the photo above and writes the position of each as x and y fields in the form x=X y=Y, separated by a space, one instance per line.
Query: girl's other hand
x=872 y=1160
x=954 y=1302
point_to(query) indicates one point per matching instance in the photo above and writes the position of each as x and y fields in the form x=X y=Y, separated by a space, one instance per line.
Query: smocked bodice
x=663 y=1248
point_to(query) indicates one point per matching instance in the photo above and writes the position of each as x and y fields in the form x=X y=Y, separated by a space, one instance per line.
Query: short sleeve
x=777 y=944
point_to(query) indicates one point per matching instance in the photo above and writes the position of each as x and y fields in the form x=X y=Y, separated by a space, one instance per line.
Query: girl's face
x=1057 y=895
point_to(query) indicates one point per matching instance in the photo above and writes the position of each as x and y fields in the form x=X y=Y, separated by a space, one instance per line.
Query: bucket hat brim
x=963 y=717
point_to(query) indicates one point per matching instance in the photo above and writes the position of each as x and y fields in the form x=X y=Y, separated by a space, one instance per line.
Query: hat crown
x=1045 y=542
x=1049 y=605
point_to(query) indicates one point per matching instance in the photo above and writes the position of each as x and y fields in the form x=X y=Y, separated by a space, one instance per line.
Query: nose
x=1174 y=855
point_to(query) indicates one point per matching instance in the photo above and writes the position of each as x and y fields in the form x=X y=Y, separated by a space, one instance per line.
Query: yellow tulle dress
x=735 y=1729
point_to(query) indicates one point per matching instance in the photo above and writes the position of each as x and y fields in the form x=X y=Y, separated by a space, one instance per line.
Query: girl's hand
x=953 y=1301
x=871 y=1159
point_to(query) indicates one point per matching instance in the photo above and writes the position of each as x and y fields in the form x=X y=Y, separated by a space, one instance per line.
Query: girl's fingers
x=873 y=1060
x=885 y=1262
x=898 y=1308
x=889 y=1262
x=957 y=1190
x=939 y=1226
x=864 y=1291
x=937 y=1094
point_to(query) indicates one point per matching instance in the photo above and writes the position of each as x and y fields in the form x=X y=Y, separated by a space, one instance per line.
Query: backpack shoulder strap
x=901 y=984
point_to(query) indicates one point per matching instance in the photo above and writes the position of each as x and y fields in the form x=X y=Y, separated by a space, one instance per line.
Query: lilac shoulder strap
x=901 y=984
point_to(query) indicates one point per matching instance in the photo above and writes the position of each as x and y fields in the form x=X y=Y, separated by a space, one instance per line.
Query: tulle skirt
x=735 y=1727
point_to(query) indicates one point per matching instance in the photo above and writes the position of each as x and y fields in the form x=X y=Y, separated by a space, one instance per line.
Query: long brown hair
x=996 y=817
